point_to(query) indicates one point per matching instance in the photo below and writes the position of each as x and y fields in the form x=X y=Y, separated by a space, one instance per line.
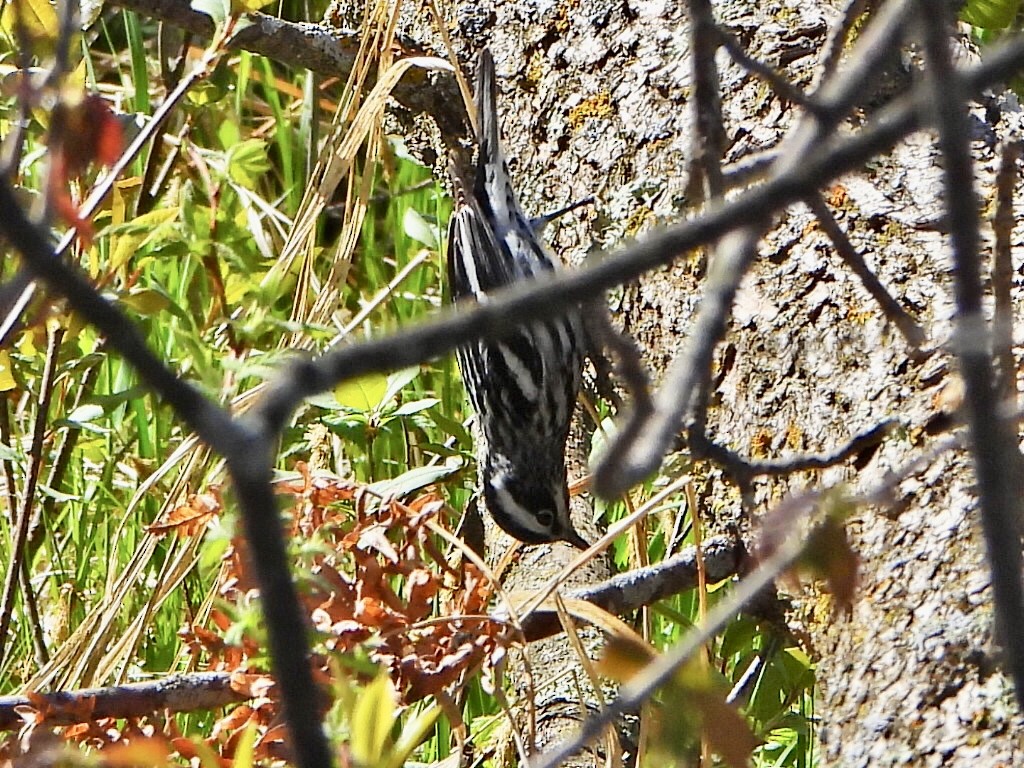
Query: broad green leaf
x=362 y=394
x=397 y=381
x=990 y=14
x=418 y=228
x=415 y=406
x=413 y=480
x=372 y=719
x=146 y=302
x=128 y=238
x=229 y=134
x=7 y=382
x=451 y=427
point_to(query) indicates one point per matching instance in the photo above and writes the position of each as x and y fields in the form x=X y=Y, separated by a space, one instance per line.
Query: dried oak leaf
x=87 y=131
x=192 y=517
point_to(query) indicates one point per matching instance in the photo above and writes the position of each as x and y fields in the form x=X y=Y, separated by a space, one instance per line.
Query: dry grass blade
x=336 y=163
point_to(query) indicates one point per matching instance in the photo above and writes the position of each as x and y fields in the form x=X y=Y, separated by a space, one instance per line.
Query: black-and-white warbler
x=523 y=387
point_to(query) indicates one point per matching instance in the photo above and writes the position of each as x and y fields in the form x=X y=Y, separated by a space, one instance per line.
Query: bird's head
x=530 y=504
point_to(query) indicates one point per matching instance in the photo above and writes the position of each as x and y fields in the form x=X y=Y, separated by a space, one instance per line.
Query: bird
x=523 y=385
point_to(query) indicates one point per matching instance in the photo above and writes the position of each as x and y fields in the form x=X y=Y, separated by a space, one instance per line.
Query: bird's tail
x=489 y=137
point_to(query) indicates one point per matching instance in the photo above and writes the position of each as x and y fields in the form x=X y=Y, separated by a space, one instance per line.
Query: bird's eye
x=546 y=517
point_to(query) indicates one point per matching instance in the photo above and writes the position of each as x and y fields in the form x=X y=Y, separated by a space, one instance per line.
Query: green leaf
x=372 y=719
x=363 y=394
x=451 y=427
x=129 y=237
x=990 y=14
x=413 y=734
x=7 y=382
x=56 y=495
x=245 y=750
x=248 y=162
x=413 y=480
x=84 y=414
x=229 y=134
x=114 y=399
x=146 y=302
x=415 y=406
x=397 y=381
x=416 y=227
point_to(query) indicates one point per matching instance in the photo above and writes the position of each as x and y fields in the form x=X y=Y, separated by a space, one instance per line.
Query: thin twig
x=28 y=492
x=892 y=309
x=1002 y=269
x=176 y=693
x=643 y=441
x=35 y=624
x=743 y=470
x=782 y=87
x=709 y=138
x=840 y=34
x=629 y=364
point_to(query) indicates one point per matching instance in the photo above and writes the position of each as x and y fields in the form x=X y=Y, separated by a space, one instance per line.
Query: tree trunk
x=597 y=100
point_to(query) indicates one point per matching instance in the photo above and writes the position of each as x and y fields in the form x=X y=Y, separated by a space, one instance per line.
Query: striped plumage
x=523 y=387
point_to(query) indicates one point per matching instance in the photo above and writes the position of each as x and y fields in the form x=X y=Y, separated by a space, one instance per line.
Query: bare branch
x=782 y=87
x=743 y=470
x=641 y=444
x=177 y=693
x=1002 y=268
x=630 y=591
x=28 y=492
x=891 y=308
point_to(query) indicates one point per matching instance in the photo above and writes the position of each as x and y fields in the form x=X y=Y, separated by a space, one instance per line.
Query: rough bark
x=598 y=99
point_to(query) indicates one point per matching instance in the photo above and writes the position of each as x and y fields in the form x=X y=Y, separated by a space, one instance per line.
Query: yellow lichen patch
x=760 y=444
x=637 y=219
x=859 y=315
x=794 y=436
x=599 y=105
x=534 y=70
x=562 y=20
